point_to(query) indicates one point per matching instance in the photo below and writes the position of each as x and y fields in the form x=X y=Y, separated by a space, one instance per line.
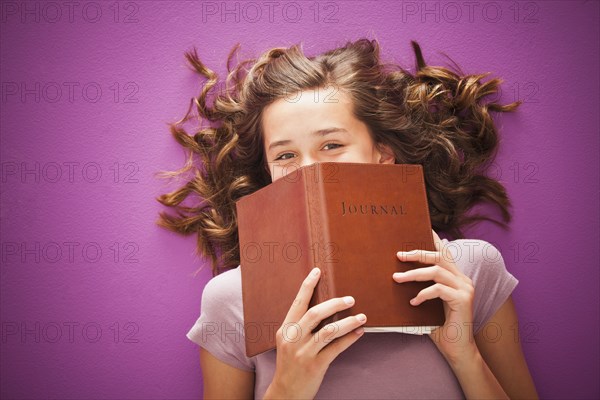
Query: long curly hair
x=437 y=117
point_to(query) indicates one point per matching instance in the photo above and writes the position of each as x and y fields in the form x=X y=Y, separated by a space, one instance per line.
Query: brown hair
x=436 y=118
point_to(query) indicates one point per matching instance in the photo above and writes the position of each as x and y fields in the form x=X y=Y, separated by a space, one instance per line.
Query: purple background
x=112 y=324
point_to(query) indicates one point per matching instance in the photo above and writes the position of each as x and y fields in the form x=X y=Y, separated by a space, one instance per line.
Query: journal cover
x=348 y=219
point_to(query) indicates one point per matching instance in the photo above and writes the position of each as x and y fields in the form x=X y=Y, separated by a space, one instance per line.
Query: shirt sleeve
x=483 y=263
x=220 y=329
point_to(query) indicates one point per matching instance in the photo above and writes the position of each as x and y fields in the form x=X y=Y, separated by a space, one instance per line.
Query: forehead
x=309 y=109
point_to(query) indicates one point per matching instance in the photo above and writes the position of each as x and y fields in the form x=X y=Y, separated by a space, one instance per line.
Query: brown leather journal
x=348 y=219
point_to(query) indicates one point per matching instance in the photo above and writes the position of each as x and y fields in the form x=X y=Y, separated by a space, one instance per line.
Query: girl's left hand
x=455 y=338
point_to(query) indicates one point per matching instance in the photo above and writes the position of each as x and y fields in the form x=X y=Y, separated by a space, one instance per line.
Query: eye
x=281 y=156
x=336 y=145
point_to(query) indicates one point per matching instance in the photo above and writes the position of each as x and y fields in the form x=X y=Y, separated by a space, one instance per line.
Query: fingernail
x=315 y=272
x=398 y=274
x=349 y=300
x=361 y=317
x=359 y=331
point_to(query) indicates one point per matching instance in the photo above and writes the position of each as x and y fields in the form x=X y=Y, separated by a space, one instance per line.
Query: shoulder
x=223 y=294
x=219 y=329
x=225 y=285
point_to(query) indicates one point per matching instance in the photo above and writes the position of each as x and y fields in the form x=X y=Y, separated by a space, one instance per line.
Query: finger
x=333 y=349
x=429 y=257
x=334 y=330
x=300 y=303
x=433 y=273
x=444 y=292
x=319 y=312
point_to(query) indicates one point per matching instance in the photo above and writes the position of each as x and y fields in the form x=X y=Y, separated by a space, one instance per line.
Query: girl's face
x=316 y=125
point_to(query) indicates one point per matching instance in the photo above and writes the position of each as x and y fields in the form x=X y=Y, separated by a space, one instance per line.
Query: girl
x=288 y=110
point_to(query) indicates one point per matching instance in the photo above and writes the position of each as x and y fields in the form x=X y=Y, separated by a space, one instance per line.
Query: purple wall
x=96 y=299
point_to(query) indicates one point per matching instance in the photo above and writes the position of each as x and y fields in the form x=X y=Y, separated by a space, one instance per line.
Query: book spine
x=421 y=174
x=319 y=240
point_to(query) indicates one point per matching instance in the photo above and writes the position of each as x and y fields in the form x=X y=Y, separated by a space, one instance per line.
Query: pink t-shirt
x=379 y=365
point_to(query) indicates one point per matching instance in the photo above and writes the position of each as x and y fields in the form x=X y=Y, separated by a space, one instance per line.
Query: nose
x=292 y=167
x=307 y=161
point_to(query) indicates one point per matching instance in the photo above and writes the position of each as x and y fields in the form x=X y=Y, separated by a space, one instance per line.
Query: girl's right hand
x=303 y=357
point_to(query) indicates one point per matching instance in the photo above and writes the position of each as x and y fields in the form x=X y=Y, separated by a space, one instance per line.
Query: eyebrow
x=320 y=132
